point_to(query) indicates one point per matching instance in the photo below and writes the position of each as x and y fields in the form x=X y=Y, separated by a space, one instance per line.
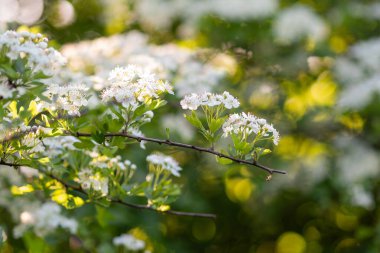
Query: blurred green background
x=312 y=68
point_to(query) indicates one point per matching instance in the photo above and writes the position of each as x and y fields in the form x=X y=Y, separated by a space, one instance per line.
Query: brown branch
x=117 y=201
x=186 y=146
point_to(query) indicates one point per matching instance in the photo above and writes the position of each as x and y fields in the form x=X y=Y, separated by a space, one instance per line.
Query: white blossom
x=104 y=162
x=32 y=47
x=359 y=73
x=193 y=101
x=180 y=66
x=248 y=124
x=70 y=98
x=165 y=162
x=129 y=242
x=299 y=22
x=45 y=220
x=89 y=179
x=354 y=150
x=132 y=86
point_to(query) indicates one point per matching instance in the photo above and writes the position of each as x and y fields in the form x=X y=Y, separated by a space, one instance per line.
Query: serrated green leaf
x=216 y=124
x=98 y=137
x=194 y=120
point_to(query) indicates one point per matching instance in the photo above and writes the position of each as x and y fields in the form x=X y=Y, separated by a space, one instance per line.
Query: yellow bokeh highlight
x=323 y=91
x=117 y=25
x=13 y=109
x=21 y=190
x=163 y=208
x=338 y=44
x=290 y=242
x=239 y=189
x=33 y=29
x=296 y=105
x=204 y=230
x=61 y=197
x=44 y=160
x=193 y=43
x=345 y=244
x=346 y=222
x=301 y=98
x=352 y=121
x=291 y=147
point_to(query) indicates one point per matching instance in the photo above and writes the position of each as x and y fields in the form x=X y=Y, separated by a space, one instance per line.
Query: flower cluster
x=132 y=86
x=358 y=71
x=193 y=101
x=45 y=220
x=129 y=242
x=69 y=98
x=165 y=162
x=247 y=124
x=58 y=144
x=178 y=65
x=91 y=180
x=103 y=162
x=33 y=48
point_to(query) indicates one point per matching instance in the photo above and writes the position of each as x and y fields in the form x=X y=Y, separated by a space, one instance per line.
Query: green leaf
x=9 y=71
x=194 y=120
x=84 y=144
x=117 y=113
x=34 y=244
x=98 y=137
x=223 y=160
x=19 y=66
x=40 y=75
x=216 y=124
x=104 y=202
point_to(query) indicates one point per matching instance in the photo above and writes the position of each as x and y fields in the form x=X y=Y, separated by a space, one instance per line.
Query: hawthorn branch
x=186 y=146
x=116 y=201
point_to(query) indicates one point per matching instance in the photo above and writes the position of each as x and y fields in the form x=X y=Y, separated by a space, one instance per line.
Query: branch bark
x=117 y=201
x=186 y=146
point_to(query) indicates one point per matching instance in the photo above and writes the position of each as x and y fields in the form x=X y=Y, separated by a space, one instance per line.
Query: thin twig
x=117 y=201
x=186 y=146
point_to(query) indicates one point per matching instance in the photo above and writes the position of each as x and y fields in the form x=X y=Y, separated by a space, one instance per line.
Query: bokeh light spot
x=30 y=11
x=8 y=10
x=239 y=189
x=346 y=222
x=290 y=242
x=204 y=230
